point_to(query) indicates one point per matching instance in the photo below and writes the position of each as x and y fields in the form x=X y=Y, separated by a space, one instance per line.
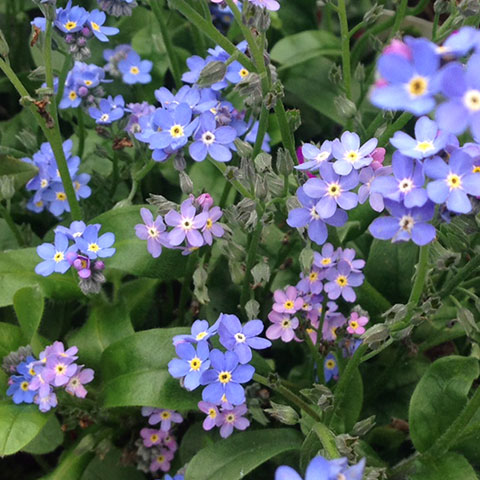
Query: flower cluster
x=83 y=255
x=47 y=184
x=37 y=379
x=78 y=25
x=321 y=468
x=304 y=310
x=221 y=373
x=194 y=226
x=326 y=199
x=157 y=446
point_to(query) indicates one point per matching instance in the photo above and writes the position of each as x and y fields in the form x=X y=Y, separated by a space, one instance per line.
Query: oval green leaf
x=235 y=457
x=451 y=466
x=28 y=304
x=47 y=440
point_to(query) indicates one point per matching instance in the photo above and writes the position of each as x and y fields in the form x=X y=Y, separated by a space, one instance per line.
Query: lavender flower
x=186 y=225
x=233 y=418
x=165 y=418
x=211 y=228
x=134 y=69
x=315 y=155
x=367 y=176
x=75 y=385
x=94 y=246
x=213 y=415
x=153 y=231
x=283 y=327
x=341 y=280
x=288 y=301
x=350 y=155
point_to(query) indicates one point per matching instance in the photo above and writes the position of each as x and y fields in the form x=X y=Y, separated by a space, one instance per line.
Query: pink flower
x=162 y=461
x=283 y=327
x=356 y=324
x=288 y=301
x=378 y=156
x=397 y=47
x=151 y=436
x=75 y=385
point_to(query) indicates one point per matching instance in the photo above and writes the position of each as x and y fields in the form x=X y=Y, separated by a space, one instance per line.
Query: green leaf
x=300 y=47
x=71 y=466
x=135 y=372
x=28 y=304
x=439 y=397
x=21 y=172
x=10 y=338
x=48 y=439
x=235 y=457
x=451 y=466
x=19 y=425
x=106 y=324
x=17 y=270
x=138 y=295
x=390 y=268
x=132 y=255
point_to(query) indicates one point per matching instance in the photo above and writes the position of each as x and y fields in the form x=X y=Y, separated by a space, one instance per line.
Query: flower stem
x=398 y=124
x=327 y=440
x=165 y=33
x=462 y=274
x=81 y=131
x=345 y=37
x=235 y=183
x=262 y=130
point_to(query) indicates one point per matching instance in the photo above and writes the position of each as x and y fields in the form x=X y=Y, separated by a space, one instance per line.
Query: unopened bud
x=364 y=426
x=200 y=291
x=376 y=335
x=306 y=259
x=261 y=273
x=345 y=107
x=294 y=119
x=244 y=149
x=205 y=201
x=283 y=413
x=7 y=187
x=372 y=15
x=284 y=162
x=260 y=187
x=263 y=162
x=335 y=74
x=179 y=163
x=359 y=73
x=252 y=308
x=186 y=184
x=212 y=73
x=38 y=74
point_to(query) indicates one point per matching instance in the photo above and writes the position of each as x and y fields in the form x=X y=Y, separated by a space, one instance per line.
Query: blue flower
x=71 y=19
x=427 y=142
x=453 y=182
x=54 y=256
x=240 y=339
x=407 y=183
x=213 y=141
x=94 y=246
x=411 y=83
x=460 y=42
x=106 y=114
x=350 y=155
x=405 y=224
x=19 y=390
x=330 y=367
x=322 y=469
x=191 y=364
x=224 y=378
x=201 y=330
x=95 y=21
x=134 y=69
x=315 y=155
x=169 y=101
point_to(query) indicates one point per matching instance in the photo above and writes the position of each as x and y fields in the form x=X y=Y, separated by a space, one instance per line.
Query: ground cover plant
x=239 y=239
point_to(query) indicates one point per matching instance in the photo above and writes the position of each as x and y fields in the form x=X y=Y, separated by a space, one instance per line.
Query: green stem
x=377 y=351
x=288 y=140
x=235 y=183
x=436 y=18
x=210 y=31
x=346 y=62
x=398 y=124
x=327 y=439
x=62 y=77
x=262 y=130
x=376 y=122
x=345 y=380
x=287 y=394
x=399 y=16
x=166 y=37
x=81 y=131
x=318 y=359
x=13 y=227
x=461 y=275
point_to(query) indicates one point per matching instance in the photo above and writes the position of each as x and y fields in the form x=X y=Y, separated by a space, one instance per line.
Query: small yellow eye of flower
x=95 y=26
x=201 y=336
x=406 y=223
x=39 y=204
x=32 y=372
x=288 y=305
x=471 y=99
x=24 y=386
x=61 y=196
x=209 y=224
x=176 y=131
x=285 y=323
x=93 y=247
x=476 y=169
x=224 y=377
x=58 y=257
x=160 y=458
x=154 y=438
x=60 y=369
x=230 y=418
x=351 y=156
x=70 y=25
x=165 y=415
x=424 y=146
x=342 y=281
x=87 y=82
x=334 y=190
x=330 y=364
x=454 y=181
x=417 y=86
x=212 y=413
x=326 y=261
x=44 y=183
x=243 y=72
x=134 y=70
x=76 y=186
x=313 y=276
x=195 y=364
x=72 y=95
x=354 y=324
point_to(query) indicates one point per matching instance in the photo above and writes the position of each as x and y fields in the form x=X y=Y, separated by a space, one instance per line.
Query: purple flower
x=315 y=155
x=367 y=176
x=213 y=141
x=460 y=42
x=411 y=82
x=200 y=331
x=211 y=228
x=327 y=258
x=453 y=182
x=350 y=155
x=348 y=255
x=311 y=283
x=406 y=185
x=47 y=402
x=152 y=231
x=332 y=191
x=165 y=418
x=405 y=224
x=54 y=256
x=191 y=364
x=309 y=216
x=287 y=301
x=95 y=21
x=240 y=339
x=224 y=378
x=330 y=367
x=232 y=418
x=271 y=5
x=356 y=324
x=462 y=87
x=333 y=320
x=134 y=69
x=151 y=436
x=59 y=369
x=186 y=224
x=283 y=327
x=162 y=461
x=427 y=142
x=213 y=415
x=175 y=127
x=75 y=385
x=341 y=280
x=94 y=246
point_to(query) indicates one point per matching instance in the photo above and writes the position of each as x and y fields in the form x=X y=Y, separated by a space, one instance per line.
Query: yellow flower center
x=424 y=146
x=44 y=183
x=60 y=369
x=70 y=25
x=342 y=281
x=286 y=323
x=160 y=458
x=77 y=186
x=471 y=99
x=454 y=181
x=330 y=364
x=24 y=386
x=288 y=305
x=195 y=364
x=72 y=95
x=243 y=72
x=58 y=257
x=354 y=324
x=61 y=196
x=334 y=190
x=87 y=82
x=95 y=26
x=417 y=86
x=224 y=377
x=32 y=372
x=93 y=247
x=212 y=413
x=201 y=336
x=152 y=232
x=351 y=156
x=154 y=438
x=176 y=131
x=230 y=418
x=476 y=169
x=134 y=70
x=209 y=223
x=313 y=276
x=39 y=204
x=326 y=261
x=166 y=415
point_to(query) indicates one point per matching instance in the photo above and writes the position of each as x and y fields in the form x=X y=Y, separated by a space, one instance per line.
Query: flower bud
x=284 y=162
x=263 y=162
x=283 y=413
x=212 y=73
x=372 y=15
x=260 y=187
x=179 y=162
x=252 y=308
x=244 y=149
x=363 y=426
x=163 y=205
x=335 y=74
x=345 y=107
x=376 y=335
x=7 y=187
x=205 y=201
x=306 y=259
x=186 y=184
